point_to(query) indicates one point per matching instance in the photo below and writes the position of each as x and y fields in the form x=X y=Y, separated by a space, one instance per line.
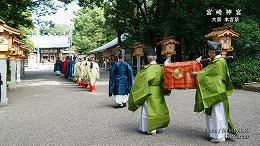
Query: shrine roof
x=4 y=27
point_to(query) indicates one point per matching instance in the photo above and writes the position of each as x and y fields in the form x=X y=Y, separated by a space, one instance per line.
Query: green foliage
x=244 y=71
x=86 y=3
x=25 y=37
x=15 y=12
x=150 y=20
x=18 y=14
x=54 y=29
x=90 y=29
x=117 y=16
x=246 y=44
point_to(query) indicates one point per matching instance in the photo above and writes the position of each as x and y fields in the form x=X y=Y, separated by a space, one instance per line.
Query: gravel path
x=46 y=109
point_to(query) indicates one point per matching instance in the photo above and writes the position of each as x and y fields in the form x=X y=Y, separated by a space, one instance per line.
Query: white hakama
x=120 y=99
x=217 y=123
x=144 y=119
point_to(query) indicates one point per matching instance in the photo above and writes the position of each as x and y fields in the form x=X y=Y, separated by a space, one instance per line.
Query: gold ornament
x=178 y=73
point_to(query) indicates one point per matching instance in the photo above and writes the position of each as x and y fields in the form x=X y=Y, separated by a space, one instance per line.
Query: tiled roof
x=51 y=41
x=110 y=44
x=5 y=27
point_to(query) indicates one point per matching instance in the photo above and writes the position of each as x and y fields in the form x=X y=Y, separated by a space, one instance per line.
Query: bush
x=244 y=70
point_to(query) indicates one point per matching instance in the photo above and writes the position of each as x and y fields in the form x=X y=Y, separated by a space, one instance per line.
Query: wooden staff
x=208 y=59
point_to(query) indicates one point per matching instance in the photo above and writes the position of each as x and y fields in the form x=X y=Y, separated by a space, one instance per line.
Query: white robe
x=120 y=99
x=216 y=123
x=77 y=70
x=144 y=119
x=93 y=73
x=144 y=114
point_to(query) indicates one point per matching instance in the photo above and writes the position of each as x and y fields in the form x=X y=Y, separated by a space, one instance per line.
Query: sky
x=62 y=16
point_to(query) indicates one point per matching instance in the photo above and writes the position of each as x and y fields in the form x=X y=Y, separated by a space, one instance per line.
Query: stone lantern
x=138 y=49
x=7 y=34
x=18 y=53
x=138 y=53
x=15 y=51
x=168 y=47
x=23 y=54
x=223 y=35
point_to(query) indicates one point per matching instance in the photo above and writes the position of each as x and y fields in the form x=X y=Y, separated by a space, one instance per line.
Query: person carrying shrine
x=148 y=92
x=120 y=81
x=92 y=72
x=213 y=87
x=57 y=67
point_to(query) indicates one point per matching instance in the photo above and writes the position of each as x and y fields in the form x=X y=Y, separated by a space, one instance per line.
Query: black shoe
x=120 y=106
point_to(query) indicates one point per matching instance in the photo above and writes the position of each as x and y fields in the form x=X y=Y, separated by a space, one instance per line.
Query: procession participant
x=77 y=71
x=92 y=72
x=64 y=65
x=71 y=68
x=84 y=76
x=57 y=67
x=213 y=87
x=68 y=67
x=120 y=81
x=148 y=92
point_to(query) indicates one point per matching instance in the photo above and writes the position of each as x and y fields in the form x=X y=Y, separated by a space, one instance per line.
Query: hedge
x=244 y=70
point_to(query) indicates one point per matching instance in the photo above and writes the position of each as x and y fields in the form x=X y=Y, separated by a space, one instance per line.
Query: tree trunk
x=119 y=38
x=166 y=7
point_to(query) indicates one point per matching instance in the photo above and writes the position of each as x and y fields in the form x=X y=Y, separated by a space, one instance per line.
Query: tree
x=18 y=14
x=54 y=29
x=15 y=13
x=146 y=20
x=247 y=44
x=118 y=17
x=90 y=29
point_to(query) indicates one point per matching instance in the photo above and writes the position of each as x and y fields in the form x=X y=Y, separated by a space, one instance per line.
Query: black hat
x=119 y=54
x=151 y=51
x=214 y=46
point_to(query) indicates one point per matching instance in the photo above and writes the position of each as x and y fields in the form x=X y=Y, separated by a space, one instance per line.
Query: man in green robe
x=148 y=93
x=213 y=87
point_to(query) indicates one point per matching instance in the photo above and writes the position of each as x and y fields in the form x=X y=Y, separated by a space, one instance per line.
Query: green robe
x=213 y=87
x=148 y=87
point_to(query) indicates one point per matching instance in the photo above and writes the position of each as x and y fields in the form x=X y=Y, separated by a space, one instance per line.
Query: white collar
x=153 y=62
x=218 y=56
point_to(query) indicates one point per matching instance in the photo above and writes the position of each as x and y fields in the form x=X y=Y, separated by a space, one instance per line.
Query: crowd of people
x=83 y=71
x=147 y=92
